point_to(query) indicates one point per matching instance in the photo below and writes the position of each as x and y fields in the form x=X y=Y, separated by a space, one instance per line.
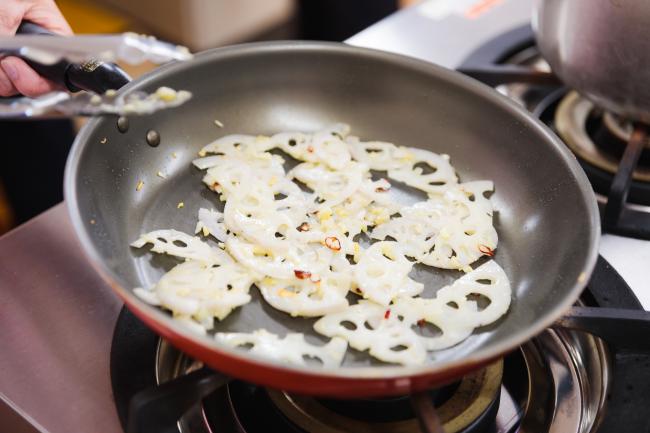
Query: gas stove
x=113 y=374
x=561 y=381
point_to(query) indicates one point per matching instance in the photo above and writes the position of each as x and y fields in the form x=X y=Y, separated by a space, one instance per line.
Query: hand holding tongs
x=55 y=58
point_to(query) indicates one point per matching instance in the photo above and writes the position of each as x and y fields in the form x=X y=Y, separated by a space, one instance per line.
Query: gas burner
x=467 y=406
x=619 y=127
x=557 y=382
x=600 y=139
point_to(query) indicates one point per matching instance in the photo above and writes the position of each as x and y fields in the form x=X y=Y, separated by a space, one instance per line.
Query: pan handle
x=621 y=328
x=159 y=409
x=494 y=75
x=93 y=75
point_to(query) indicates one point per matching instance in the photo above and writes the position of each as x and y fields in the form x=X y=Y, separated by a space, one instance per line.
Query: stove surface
x=446 y=32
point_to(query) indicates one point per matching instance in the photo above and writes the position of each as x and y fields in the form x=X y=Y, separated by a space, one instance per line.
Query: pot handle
x=494 y=75
x=93 y=75
x=621 y=328
x=159 y=409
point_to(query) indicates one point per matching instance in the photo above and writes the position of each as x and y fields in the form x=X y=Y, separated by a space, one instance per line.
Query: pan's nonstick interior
x=545 y=211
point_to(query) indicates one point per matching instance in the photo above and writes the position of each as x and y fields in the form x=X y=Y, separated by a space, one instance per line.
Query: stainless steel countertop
x=56 y=324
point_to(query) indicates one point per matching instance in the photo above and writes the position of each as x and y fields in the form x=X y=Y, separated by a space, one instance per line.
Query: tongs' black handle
x=93 y=76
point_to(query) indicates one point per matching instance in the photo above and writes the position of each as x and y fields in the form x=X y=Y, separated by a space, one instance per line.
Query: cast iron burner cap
x=598 y=139
x=467 y=406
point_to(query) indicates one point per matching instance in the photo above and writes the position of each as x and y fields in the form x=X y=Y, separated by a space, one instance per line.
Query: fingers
x=23 y=78
x=6 y=86
x=48 y=15
x=15 y=75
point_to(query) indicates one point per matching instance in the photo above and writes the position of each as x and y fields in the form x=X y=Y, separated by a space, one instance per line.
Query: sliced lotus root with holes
x=256 y=159
x=182 y=245
x=228 y=144
x=454 y=314
x=307 y=294
x=328 y=147
x=379 y=155
x=258 y=222
x=201 y=291
x=465 y=229
x=426 y=171
x=422 y=315
x=299 y=245
x=457 y=309
x=290 y=200
x=259 y=260
x=325 y=146
x=292 y=143
x=416 y=236
x=228 y=175
x=350 y=217
x=234 y=143
x=488 y=281
x=211 y=223
x=372 y=327
x=293 y=348
x=331 y=187
x=382 y=273
x=450 y=230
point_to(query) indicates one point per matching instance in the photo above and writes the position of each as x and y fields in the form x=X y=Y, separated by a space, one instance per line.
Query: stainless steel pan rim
x=481 y=91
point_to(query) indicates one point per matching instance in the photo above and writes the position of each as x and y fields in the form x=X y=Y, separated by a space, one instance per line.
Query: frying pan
x=546 y=213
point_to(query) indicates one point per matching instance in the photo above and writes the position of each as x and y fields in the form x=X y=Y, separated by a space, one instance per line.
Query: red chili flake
x=301 y=275
x=310 y=149
x=382 y=189
x=421 y=323
x=333 y=243
x=314 y=279
x=214 y=186
x=486 y=250
x=304 y=227
x=359 y=291
x=387 y=314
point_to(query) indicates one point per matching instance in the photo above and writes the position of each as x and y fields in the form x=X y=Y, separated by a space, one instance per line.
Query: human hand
x=15 y=75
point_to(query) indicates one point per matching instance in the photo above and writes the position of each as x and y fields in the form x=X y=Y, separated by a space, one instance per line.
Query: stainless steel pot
x=601 y=48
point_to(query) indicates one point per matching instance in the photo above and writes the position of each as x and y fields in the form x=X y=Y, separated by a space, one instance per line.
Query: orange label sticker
x=480 y=7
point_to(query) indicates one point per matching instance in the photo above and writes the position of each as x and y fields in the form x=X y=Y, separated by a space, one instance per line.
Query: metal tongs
x=83 y=63
x=128 y=47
